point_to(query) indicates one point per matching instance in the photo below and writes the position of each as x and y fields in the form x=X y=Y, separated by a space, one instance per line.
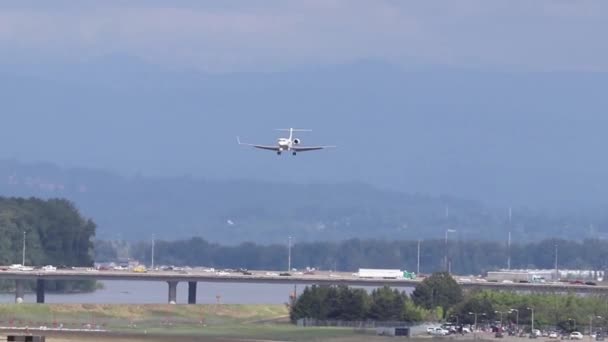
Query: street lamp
x=591 y=324
x=23 y=251
x=152 y=252
x=446 y=247
x=516 y=317
x=500 y=312
x=532 y=319
x=573 y=322
x=475 y=314
x=418 y=259
x=289 y=255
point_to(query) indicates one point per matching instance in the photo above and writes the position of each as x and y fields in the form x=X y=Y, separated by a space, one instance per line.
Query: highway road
x=269 y=277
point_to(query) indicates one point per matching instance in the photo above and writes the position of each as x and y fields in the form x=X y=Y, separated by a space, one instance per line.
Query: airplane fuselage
x=284 y=144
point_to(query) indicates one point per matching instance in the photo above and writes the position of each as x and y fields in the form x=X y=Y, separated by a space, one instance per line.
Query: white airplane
x=290 y=144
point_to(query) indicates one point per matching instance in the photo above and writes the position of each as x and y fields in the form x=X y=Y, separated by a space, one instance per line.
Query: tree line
x=465 y=256
x=439 y=297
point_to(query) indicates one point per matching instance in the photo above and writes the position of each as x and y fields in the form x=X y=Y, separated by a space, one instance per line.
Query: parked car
x=553 y=335
x=440 y=332
x=575 y=335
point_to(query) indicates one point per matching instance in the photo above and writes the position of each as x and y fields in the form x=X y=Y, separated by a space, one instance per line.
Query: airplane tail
x=291 y=130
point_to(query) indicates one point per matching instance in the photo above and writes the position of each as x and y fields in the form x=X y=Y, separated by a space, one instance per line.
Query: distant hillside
x=231 y=212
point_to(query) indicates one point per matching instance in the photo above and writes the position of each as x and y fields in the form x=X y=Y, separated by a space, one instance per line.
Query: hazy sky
x=501 y=101
x=251 y=35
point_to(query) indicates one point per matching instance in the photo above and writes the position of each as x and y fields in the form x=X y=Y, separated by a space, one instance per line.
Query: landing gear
x=293 y=153
x=278 y=153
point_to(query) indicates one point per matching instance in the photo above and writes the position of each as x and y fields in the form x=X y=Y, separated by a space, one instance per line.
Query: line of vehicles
x=19 y=267
x=452 y=329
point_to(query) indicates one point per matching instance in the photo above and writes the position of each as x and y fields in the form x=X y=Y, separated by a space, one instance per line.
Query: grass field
x=174 y=322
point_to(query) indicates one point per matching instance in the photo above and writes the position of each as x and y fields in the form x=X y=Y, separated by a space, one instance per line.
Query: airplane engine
x=296 y=141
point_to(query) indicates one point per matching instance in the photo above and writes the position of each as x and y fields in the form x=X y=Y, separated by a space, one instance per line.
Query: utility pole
x=516 y=317
x=532 y=309
x=447 y=266
x=509 y=252
x=289 y=255
x=153 y=242
x=475 y=314
x=418 y=259
x=591 y=324
x=509 y=241
x=556 y=270
x=23 y=251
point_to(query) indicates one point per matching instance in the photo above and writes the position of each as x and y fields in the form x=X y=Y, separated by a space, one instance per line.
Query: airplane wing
x=309 y=148
x=263 y=147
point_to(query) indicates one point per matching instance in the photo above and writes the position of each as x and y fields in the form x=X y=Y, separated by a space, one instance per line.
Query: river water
x=156 y=292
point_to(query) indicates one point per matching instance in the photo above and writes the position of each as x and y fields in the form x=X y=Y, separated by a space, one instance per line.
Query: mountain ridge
x=234 y=211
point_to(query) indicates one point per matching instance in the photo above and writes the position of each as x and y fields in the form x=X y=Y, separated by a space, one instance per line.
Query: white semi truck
x=385 y=273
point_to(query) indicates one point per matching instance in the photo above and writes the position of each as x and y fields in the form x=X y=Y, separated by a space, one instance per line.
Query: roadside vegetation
x=440 y=298
x=55 y=233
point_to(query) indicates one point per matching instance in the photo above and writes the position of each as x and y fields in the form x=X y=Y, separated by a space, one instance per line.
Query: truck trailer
x=516 y=277
x=385 y=273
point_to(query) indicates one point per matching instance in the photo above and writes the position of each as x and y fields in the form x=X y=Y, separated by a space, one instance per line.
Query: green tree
x=438 y=290
x=387 y=304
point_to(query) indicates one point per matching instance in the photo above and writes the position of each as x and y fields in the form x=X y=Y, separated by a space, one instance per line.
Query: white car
x=553 y=335
x=575 y=335
x=440 y=332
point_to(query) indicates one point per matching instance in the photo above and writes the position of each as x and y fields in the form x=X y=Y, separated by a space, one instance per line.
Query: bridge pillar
x=19 y=291
x=172 y=292
x=191 y=292
x=40 y=290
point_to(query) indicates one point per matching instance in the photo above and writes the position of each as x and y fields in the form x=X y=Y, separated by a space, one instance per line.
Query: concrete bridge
x=172 y=278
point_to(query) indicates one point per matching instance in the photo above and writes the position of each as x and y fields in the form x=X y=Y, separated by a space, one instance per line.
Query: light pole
x=532 y=320
x=418 y=259
x=591 y=324
x=573 y=322
x=475 y=315
x=289 y=254
x=23 y=251
x=152 y=261
x=499 y=312
x=556 y=269
x=509 y=251
x=516 y=317
x=446 y=247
